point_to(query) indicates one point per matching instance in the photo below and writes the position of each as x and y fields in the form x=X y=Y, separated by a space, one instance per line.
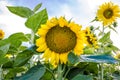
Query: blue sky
x=81 y=11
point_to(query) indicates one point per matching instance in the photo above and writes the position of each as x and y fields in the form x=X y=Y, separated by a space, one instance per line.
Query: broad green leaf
x=16 y=39
x=4 y=48
x=36 y=20
x=7 y=65
x=18 y=36
x=35 y=73
x=3 y=59
x=20 y=11
x=12 y=72
x=22 y=58
x=37 y=7
x=47 y=76
x=98 y=59
x=105 y=38
x=21 y=48
x=73 y=58
x=89 y=50
x=83 y=77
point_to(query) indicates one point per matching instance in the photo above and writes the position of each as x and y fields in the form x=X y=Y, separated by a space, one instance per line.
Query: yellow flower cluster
x=91 y=39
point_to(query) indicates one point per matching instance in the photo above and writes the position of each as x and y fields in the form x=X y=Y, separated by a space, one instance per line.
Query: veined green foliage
x=83 y=77
x=35 y=73
x=34 y=21
x=37 y=7
x=105 y=38
x=20 y=11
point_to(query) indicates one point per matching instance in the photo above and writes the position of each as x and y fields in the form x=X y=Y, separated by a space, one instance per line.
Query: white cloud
x=9 y=22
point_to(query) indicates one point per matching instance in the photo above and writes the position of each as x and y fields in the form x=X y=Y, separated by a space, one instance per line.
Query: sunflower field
x=61 y=49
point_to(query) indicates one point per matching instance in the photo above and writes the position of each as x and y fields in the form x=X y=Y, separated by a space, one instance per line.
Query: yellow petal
x=47 y=54
x=63 y=58
x=52 y=22
x=40 y=41
x=62 y=22
x=42 y=47
x=42 y=32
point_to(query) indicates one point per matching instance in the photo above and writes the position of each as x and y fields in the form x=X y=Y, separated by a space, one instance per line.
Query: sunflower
x=1 y=34
x=107 y=13
x=91 y=39
x=117 y=55
x=58 y=38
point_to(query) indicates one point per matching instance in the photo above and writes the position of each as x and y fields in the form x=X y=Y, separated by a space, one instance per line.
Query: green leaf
x=105 y=38
x=20 y=11
x=4 y=48
x=73 y=58
x=98 y=59
x=23 y=57
x=18 y=36
x=7 y=65
x=113 y=47
x=37 y=7
x=113 y=29
x=16 y=39
x=35 y=73
x=89 y=50
x=47 y=76
x=12 y=72
x=36 y=20
x=4 y=42
x=3 y=59
x=83 y=77
x=22 y=48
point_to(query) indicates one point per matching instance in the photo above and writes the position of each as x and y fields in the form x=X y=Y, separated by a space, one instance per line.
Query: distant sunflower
x=91 y=39
x=107 y=13
x=57 y=38
x=1 y=34
x=117 y=55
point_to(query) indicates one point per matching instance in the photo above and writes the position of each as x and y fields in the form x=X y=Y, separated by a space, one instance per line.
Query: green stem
x=32 y=43
x=102 y=51
x=1 y=73
x=50 y=72
x=102 y=71
x=59 y=72
x=32 y=37
x=67 y=72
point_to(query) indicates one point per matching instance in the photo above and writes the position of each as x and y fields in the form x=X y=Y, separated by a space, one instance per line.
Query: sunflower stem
x=102 y=50
x=67 y=72
x=102 y=71
x=32 y=42
x=1 y=73
x=59 y=72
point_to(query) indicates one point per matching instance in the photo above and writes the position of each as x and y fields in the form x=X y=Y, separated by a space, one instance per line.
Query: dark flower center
x=108 y=13
x=60 y=39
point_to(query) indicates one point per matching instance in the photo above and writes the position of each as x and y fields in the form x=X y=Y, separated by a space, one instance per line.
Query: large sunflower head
x=1 y=34
x=57 y=38
x=91 y=39
x=107 y=13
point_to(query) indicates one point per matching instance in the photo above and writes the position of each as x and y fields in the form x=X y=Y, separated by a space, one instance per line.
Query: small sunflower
x=91 y=39
x=107 y=13
x=57 y=38
x=117 y=55
x=1 y=34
